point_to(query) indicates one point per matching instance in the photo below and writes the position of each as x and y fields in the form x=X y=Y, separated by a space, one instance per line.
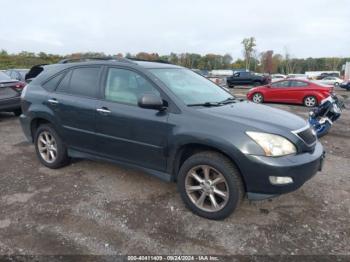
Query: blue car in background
x=345 y=85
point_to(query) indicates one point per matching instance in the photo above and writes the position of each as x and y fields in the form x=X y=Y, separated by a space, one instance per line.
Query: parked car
x=172 y=123
x=331 y=80
x=247 y=78
x=324 y=75
x=345 y=85
x=294 y=91
x=18 y=74
x=10 y=92
x=277 y=77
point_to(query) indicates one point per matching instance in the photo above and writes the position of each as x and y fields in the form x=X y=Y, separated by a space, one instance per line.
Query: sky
x=306 y=28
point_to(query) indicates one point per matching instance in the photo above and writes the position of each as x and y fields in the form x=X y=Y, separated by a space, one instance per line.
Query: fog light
x=280 y=180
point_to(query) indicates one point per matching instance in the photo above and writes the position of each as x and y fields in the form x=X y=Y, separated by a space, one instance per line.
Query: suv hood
x=257 y=116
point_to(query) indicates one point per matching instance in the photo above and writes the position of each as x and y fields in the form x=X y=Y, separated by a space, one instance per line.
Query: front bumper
x=299 y=167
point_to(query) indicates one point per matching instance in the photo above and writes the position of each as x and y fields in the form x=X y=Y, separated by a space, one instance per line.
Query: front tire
x=49 y=147
x=310 y=101
x=210 y=185
x=258 y=98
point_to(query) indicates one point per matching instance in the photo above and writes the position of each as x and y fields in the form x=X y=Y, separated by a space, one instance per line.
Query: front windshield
x=190 y=87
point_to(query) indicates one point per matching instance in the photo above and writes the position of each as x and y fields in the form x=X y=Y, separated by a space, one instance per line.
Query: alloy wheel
x=310 y=101
x=47 y=147
x=257 y=98
x=207 y=188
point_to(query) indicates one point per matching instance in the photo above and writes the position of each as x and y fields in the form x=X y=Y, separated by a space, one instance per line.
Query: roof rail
x=87 y=59
x=145 y=60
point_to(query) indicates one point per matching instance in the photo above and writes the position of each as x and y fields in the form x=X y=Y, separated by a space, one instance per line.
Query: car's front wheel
x=50 y=149
x=258 y=98
x=210 y=185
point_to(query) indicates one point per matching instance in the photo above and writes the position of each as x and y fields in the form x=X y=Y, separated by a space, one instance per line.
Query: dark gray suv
x=172 y=123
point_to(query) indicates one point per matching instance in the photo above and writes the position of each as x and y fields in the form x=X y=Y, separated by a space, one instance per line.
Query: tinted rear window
x=53 y=82
x=80 y=81
x=64 y=84
x=84 y=81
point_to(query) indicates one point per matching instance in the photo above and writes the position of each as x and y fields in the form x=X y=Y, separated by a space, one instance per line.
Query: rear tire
x=310 y=101
x=50 y=148
x=257 y=84
x=215 y=195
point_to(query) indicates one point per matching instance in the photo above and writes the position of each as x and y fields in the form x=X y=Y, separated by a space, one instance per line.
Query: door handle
x=103 y=110
x=53 y=101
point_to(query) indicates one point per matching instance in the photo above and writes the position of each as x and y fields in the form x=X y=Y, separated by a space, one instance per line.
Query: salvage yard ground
x=98 y=208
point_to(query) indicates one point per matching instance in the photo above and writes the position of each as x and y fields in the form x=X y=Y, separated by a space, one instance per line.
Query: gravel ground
x=102 y=209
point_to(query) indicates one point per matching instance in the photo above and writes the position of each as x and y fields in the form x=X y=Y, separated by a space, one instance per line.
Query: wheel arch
x=187 y=150
x=36 y=122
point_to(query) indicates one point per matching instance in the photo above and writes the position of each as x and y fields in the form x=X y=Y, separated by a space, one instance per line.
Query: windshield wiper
x=228 y=100
x=208 y=104
x=221 y=103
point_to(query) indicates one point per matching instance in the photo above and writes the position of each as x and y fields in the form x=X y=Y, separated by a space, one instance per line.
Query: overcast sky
x=306 y=28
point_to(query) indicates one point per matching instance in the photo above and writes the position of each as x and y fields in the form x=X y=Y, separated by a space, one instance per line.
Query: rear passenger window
x=81 y=81
x=64 y=85
x=298 y=84
x=84 y=81
x=53 y=83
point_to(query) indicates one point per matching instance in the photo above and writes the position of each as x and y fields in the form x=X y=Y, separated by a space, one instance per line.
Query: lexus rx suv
x=171 y=123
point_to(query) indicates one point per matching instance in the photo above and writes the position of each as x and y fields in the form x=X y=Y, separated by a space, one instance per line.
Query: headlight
x=273 y=145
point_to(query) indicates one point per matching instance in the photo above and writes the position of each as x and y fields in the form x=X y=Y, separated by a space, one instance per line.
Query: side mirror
x=150 y=101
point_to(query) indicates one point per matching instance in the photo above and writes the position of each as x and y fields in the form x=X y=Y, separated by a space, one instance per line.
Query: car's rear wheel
x=336 y=84
x=258 y=98
x=310 y=101
x=257 y=83
x=210 y=185
x=50 y=149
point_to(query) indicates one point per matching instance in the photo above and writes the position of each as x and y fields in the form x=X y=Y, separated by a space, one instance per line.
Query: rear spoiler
x=34 y=72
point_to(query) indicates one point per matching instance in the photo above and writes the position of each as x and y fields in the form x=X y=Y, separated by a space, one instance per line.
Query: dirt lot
x=98 y=208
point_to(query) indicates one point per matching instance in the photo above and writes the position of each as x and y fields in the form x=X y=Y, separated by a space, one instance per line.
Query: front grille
x=307 y=135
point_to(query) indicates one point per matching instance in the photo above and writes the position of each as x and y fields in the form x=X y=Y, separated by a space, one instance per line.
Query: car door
x=74 y=106
x=126 y=132
x=278 y=92
x=245 y=78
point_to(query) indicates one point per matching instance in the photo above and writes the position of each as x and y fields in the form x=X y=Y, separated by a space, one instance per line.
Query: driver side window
x=126 y=86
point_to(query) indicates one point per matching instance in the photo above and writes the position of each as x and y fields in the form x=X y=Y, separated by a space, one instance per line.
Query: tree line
x=264 y=61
